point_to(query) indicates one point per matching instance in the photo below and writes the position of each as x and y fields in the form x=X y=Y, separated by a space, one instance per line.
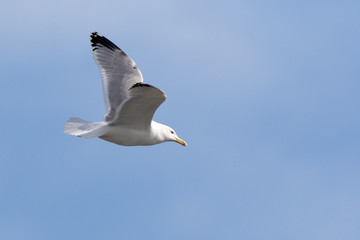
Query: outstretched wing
x=118 y=72
x=138 y=109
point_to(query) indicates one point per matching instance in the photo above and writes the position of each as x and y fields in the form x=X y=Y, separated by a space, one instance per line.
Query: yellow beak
x=182 y=142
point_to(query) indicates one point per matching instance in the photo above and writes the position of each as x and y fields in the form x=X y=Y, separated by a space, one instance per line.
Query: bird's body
x=129 y=102
x=133 y=137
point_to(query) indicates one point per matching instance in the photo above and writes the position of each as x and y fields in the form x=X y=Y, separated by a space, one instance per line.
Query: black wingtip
x=101 y=41
x=140 y=84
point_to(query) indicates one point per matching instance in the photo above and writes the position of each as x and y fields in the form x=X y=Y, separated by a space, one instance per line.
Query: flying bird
x=130 y=103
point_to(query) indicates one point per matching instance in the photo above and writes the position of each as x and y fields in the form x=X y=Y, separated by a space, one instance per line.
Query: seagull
x=130 y=103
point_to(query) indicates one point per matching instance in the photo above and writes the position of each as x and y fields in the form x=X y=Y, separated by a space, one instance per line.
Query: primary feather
x=118 y=72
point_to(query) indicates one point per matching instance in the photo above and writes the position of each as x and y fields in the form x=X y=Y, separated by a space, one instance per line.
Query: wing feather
x=118 y=72
x=138 y=109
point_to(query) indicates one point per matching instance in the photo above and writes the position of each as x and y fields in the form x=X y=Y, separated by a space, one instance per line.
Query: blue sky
x=266 y=94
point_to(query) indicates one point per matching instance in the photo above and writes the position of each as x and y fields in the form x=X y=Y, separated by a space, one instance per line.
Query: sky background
x=266 y=94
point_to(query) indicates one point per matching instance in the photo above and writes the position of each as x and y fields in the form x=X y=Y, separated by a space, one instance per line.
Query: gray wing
x=118 y=72
x=138 y=109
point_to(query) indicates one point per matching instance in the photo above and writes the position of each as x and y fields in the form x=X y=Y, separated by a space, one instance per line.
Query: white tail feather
x=81 y=128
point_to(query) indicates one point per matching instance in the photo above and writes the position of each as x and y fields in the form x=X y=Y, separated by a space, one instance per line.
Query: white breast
x=129 y=136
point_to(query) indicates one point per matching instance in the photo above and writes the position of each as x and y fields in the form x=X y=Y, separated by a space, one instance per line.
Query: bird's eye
x=172 y=132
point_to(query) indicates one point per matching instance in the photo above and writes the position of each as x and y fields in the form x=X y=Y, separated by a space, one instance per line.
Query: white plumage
x=130 y=104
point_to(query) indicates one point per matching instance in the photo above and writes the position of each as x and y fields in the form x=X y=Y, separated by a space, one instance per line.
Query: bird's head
x=170 y=135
